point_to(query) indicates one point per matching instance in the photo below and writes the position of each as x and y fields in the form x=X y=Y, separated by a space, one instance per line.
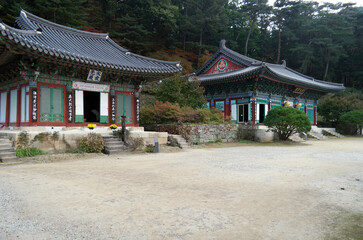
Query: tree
x=332 y=107
x=351 y=122
x=179 y=90
x=286 y=121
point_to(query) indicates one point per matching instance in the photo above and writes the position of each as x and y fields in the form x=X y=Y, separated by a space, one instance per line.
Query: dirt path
x=247 y=192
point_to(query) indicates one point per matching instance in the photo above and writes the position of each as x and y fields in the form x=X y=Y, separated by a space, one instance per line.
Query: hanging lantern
x=298 y=105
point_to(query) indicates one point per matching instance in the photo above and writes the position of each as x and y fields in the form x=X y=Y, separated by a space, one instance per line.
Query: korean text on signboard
x=70 y=106
x=113 y=109
x=137 y=110
x=91 y=87
x=34 y=105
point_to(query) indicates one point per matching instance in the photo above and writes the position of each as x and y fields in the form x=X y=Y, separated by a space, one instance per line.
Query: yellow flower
x=91 y=126
x=113 y=126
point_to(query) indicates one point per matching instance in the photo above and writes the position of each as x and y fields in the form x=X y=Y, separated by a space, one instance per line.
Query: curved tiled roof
x=96 y=49
x=279 y=71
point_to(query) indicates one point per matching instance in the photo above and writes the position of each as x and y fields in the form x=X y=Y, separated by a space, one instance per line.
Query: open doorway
x=91 y=105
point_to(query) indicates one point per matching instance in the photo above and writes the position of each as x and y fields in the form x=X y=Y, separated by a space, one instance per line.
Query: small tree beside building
x=285 y=121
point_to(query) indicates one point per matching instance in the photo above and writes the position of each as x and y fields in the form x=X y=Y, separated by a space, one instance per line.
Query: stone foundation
x=68 y=137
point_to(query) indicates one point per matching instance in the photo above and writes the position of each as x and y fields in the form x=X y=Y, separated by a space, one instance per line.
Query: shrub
x=286 y=121
x=137 y=143
x=91 y=143
x=22 y=142
x=149 y=148
x=164 y=113
x=351 y=122
x=28 y=152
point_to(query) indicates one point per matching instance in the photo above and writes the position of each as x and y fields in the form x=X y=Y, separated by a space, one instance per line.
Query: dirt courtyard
x=309 y=191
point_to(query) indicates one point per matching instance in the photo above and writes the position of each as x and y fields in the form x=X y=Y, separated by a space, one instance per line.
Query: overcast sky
x=358 y=2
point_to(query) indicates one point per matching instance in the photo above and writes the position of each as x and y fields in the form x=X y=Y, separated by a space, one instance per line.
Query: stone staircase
x=178 y=140
x=296 y=138
x=317 y=135
x=332 y=133
x=113 y=145
x=7 y=153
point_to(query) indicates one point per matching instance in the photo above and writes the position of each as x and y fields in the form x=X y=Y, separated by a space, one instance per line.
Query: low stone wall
x=225 y=132
x=206 y=133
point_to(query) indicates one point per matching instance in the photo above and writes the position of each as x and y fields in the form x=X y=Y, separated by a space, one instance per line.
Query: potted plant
x=113 y=126
x=91 y=126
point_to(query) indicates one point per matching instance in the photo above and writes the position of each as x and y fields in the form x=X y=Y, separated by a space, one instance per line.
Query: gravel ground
x=308 y=191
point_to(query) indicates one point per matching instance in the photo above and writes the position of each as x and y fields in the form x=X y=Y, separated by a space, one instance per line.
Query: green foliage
x=161 y=113
x=351 y=122
x=333 y=106
x=28 y=152
x=179 y=90
x=286 y=121
x=91 y=143
x=149 y=148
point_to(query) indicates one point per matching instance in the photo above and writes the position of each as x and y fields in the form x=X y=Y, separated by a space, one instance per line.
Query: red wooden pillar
x=18 y=107
x=227 y=108
x=7 y=118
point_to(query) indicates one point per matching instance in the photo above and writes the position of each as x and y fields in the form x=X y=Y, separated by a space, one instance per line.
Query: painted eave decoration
x=95 y=50
x=245 y=67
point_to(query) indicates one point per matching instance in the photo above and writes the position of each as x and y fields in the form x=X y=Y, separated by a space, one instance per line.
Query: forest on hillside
x=320 y=40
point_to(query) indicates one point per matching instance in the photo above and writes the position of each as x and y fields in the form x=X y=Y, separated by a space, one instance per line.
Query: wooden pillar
x=7 y=118
x=227 y=108
x=18 y=107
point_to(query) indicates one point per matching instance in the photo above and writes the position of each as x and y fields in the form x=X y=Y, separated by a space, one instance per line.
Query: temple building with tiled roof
x=53 y=75
x=245 y=88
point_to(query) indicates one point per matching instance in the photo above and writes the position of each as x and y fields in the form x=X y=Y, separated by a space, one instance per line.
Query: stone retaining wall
x=206 y=133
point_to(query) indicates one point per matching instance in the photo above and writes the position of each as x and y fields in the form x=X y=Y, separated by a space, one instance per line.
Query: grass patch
x=28 y=152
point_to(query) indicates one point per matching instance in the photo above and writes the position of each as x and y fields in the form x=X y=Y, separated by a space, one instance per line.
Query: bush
x=136 y=143
x=91 y=143
x=149 y=148
x=286 y=121
x=351 y=122
x=28 y=152
x=164 y=113
x=22 y=142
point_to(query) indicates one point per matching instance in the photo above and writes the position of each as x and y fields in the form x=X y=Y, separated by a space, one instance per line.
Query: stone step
x=115 y=147
x=9 y=159
x=112 y=141
x=333 y=133
x=114 y=152
x=7 y=154
x=5 y=146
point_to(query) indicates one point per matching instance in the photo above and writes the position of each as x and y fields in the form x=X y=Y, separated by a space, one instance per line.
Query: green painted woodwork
x=310 y=113
x=124 y=107
x=243 y=100
x=220 y=105
x=51 y=104
x=79 y=119
x=261 y=100
x=103 y=119
x=275 y=104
